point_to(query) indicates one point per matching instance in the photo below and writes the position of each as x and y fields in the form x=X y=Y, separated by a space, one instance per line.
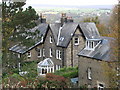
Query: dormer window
x=51 y=39
x=92 y=44
x=76 y=41
x=61 y=38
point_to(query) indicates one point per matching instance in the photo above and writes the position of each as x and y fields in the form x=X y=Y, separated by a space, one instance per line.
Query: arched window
x=45 y=66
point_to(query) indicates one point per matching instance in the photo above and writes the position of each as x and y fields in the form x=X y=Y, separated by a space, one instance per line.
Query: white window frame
x=59 y=67
x=90 y=44
x=89 y=73
x=50 y=52
x=39 y=53
x=29 y=54
x=51 y=40
x=43 y=52
x=41 y=39
x=76 y=40
x=58 y=54
x=19 y=55
x=100 y=87
x=47 y=68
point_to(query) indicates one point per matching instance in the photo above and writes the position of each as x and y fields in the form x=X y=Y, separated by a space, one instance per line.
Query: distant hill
x=82 y=6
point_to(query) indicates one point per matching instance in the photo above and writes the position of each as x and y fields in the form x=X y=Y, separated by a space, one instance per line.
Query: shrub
x=53 y=81
x=69 y=72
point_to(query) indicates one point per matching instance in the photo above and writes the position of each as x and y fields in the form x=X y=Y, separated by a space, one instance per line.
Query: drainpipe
x=72 y=52
x=63 y=61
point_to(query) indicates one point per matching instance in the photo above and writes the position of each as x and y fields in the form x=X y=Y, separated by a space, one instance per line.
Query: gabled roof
x=55 y=29
x=19 y=48
x=101 y=52
x=41 y=27
x=46 y=62
x=62 y=37
x=63 y=34
x=89 y=30
x=66 y=34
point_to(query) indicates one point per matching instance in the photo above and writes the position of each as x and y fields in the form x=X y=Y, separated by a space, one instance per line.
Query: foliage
x=115 y=31
x=31 y=68
x=92 y=19
x=101 y=27
x=54 y=81
x=13 y=81
x=69 y=72
x=110 y=72
x=15 y=22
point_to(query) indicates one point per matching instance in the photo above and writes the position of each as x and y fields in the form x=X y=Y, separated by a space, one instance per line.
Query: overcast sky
x=71 y=2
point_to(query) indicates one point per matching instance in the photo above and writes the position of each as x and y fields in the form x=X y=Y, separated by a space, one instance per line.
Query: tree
x=115 y=31
x=15 y=22
x=101 y=27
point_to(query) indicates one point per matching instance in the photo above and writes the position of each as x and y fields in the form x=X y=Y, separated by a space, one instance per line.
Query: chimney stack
x=63 y=18
x=69 y=19
x=42 y=18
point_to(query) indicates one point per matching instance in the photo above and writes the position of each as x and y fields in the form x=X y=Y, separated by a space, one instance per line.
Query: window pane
x=76 y=41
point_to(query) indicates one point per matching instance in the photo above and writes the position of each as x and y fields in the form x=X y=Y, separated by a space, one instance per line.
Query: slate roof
x=41 y=27
x=63 y=34
x=19 y=48
x=101 y=52
x=66 y=34
x=55 y=29
x=90 y=30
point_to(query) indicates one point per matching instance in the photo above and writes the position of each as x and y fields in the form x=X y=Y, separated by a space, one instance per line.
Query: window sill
x=76 y=44
x=29 y=56
x=39 y=56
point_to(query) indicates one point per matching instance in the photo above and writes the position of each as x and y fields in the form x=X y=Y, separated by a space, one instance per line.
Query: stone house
x=94 y=63
x=60 y=44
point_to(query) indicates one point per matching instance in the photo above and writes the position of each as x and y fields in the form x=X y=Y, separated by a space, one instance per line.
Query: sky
x=71 y=2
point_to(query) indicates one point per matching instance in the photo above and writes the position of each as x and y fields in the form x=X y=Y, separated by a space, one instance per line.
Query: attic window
x=51 y=39
x=92 y=44
x=76 y=41
x=61 y=38
x=29 y=54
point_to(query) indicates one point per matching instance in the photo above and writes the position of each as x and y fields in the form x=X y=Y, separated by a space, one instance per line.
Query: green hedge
x=69 y=72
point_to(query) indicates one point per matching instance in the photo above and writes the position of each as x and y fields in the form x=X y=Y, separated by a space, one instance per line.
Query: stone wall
x=72 y=50
x=97 y=72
